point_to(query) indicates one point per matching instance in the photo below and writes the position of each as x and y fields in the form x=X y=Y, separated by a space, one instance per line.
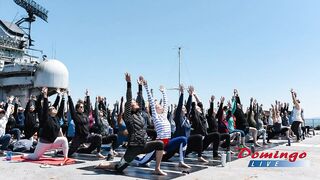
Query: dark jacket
x=212 y=121
x=134 y=121
x=198 y=120
x=222 y=122
x=31 y=121
x=241 y=122
x=50 y=126
x=81 y=120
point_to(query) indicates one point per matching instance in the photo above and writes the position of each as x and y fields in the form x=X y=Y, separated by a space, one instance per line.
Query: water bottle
x=110 y=130
x=9 y=155
x=223 y=159
x=228 y=156
x=289 y=142
x=252 y=148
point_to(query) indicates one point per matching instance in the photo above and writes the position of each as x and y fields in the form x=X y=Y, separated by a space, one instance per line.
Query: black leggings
x=134 y=151
x=305 y=130
x=197 y=144
x=95 y=141
x=225 y=137
x=296 y=129
x=212 y=138
x=271 y=133
x=110 y=139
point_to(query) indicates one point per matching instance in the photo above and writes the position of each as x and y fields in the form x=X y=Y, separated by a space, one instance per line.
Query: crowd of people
x=155 y=130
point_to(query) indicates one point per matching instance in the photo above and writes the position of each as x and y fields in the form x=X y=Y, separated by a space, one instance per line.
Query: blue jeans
x=5 y=141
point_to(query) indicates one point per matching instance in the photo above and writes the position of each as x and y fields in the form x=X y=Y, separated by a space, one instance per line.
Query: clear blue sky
x=263 y=48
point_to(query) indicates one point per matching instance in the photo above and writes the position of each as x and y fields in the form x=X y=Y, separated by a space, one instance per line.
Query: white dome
x=52 y=73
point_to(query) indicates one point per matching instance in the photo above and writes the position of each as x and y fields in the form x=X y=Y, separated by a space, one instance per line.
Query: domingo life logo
x=274 y=159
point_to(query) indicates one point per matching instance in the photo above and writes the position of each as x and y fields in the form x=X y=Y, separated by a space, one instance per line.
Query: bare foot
x=100 y=156
x=64 y=161
x=183 y=165
x=159 y=172
x=105 y=166
x=201 y=159
x=115 y=153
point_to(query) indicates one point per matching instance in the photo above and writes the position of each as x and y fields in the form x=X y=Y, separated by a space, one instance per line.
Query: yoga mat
x=46 y=160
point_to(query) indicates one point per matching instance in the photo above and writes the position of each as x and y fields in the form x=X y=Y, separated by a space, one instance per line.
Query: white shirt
x=4 y=120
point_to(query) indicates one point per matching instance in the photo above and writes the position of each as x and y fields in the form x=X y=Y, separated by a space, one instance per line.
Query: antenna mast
x=179 y=54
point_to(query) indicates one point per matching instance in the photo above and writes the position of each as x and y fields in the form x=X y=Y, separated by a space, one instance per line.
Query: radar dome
x=52 y=74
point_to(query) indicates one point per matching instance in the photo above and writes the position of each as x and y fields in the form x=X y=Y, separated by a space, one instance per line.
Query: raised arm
x=189 y=102
x=233 y=105
x=127 y=110
x=121 y=106
x=87 y=105
x=9 y=108
x=199 y=103
x=61 y=108
x=165 y=100
x=151 y=101
x=196 y=97
x=179 y=107
x=56 y=102
x=38 y=105
x=27 y=108
x=45 y=109
x=211 y=109
x=294 y=99
x=250 y=108
x=71 y=107
x=236 y=94
x=220 y=111
x=16 y=105
x=96 y=109
x=121 y=111
x=140 y=99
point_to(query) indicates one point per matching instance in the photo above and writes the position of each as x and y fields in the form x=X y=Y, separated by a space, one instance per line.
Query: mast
x=179 y=55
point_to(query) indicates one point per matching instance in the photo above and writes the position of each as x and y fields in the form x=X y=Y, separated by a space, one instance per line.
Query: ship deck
x=237 y=169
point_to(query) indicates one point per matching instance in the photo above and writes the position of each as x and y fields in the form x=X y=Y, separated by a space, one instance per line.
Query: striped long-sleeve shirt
x=161 y=122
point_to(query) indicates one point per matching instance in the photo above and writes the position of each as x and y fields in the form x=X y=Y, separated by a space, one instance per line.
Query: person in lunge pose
x=163 y=130
x=50 y=132
x=136 y=137
x=80 y=116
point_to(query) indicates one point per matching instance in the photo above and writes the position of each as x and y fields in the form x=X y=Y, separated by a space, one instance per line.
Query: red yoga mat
x=45 y=160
